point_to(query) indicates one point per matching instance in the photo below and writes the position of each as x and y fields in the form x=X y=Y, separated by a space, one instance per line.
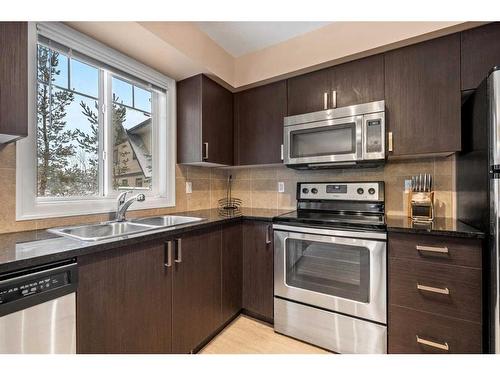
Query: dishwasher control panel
x=21 y=289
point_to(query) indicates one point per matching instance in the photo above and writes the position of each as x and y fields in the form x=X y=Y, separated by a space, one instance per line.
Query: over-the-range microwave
x=340 y=137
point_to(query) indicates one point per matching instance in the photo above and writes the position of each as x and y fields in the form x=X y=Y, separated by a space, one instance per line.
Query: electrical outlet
x=189 y=187
x=407 y=185
x=281 y=187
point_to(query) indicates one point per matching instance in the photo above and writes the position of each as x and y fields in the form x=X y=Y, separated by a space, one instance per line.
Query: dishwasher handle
x=36 y=285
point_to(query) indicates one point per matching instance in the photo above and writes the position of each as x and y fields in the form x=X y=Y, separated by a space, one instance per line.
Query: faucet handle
x=122 y=196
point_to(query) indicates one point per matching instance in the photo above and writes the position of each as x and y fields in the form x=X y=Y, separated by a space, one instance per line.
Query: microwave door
x=329 y=141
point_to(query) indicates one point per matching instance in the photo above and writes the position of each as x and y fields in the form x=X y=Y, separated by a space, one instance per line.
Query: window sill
x=65 y=208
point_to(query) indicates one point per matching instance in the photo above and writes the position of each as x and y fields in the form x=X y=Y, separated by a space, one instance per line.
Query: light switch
x=281 y=187
x=189 y=187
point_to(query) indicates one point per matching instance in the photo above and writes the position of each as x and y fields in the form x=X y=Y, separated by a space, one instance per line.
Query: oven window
x=326 y=140
x=328 y=268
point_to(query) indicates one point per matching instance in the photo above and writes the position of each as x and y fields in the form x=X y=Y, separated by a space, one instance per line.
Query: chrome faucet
x=124 y=204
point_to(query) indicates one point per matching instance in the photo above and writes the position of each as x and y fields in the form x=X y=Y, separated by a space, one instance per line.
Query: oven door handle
x=330 y=232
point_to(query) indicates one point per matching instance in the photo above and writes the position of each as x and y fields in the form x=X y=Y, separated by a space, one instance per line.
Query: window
x=101 y=122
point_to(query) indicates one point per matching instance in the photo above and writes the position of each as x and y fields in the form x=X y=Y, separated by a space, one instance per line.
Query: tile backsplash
x=256 y=186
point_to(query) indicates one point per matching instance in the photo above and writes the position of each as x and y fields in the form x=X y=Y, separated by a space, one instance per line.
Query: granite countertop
x=24 y=249
x=439 y=226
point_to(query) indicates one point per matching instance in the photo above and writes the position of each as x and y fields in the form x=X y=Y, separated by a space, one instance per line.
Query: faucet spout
x=124 y=204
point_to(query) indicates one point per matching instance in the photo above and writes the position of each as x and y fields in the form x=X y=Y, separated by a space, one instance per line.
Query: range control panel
x=351 y=191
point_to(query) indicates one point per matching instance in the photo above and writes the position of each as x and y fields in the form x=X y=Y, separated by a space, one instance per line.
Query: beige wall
x=257 y=187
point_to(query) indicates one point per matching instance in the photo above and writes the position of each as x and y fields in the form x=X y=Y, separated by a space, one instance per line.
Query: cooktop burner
x=354 y=205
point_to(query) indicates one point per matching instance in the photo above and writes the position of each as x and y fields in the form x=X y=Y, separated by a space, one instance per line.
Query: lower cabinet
x=258 y=283
x=124 y=301
x=435 y=294
x=196 y=289
x=138 y=299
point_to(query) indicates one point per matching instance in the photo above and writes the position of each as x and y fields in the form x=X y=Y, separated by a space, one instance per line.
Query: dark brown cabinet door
x=360 y=81
x=196 y=289
x=232 y=270
x=422 y=94
x=204 y=122
x=258 y=291
x=480 y=53
x=13 y=80
x=258 y=116
x=124 y=301
x=306 y=93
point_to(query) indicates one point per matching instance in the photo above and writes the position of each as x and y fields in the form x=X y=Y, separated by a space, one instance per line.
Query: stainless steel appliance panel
x=47 y=328
x=335 y=332
x=356 y=284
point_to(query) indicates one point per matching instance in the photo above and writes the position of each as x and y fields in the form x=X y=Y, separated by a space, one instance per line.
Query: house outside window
x=100 y=122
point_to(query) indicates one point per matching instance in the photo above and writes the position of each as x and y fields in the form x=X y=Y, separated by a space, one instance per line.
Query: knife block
x=421 y=206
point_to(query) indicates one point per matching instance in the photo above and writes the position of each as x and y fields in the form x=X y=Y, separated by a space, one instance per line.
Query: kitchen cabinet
x=422 y=97
x=124 y=301
x=258 y=124
x=480 y=52
x=13 y=81
x=258 y=283
x=204 y=122
x=232 y=270
x=356 y=82
x=196 y=289
x=435 y=294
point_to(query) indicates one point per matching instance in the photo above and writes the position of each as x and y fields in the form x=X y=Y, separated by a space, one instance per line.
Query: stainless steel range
x=330 y=286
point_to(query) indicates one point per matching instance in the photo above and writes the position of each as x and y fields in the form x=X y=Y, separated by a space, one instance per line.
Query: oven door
x=336 y=270
x=339 y=140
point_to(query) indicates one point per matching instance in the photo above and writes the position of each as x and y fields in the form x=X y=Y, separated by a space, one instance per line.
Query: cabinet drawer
x=436 y=288
x=435 y=334
x=439 y=249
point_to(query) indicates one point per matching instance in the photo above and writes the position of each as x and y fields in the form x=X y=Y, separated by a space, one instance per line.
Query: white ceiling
x=240 y=38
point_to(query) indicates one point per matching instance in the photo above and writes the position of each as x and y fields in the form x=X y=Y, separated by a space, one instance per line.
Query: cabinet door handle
x=433 y=289
x=178 y=258
x=433 y=344
x=334 y=99
x=268 y=235
x=390 y=142
x=432 y=249
x=205 y=151
x=168 y=263
x=325 y=100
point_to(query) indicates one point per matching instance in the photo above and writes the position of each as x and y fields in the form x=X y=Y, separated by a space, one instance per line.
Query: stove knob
x=361 y=191
x=371 y=191
x=314 y=191
x=305 y=190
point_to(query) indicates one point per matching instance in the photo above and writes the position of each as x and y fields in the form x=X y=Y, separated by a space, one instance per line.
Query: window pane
x=122 y=92
x=132 y=159
x=52 y=65
x=67 y=140
x=142 y=99
x=84 y=78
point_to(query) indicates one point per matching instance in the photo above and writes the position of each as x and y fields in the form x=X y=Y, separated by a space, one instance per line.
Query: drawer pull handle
x=437 y=345
x=433 y=249
x=433 y=290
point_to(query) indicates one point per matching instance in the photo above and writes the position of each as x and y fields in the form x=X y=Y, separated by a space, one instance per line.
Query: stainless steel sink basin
x=102 y=231
x=98 y=232
x=166 y=221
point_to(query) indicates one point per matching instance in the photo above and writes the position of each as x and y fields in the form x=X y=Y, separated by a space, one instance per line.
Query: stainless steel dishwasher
x=38 y=310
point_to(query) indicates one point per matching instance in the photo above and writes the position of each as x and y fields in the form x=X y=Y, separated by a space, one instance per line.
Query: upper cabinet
x=480 y=53
x=204 y=122
x=258 y=124
x=13 y=81
x=422 y=97
x=355 y=82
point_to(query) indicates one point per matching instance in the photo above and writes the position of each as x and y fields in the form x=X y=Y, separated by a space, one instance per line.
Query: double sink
x=103 y=231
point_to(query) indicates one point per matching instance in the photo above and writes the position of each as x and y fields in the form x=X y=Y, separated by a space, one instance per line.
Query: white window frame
x=162 y=194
